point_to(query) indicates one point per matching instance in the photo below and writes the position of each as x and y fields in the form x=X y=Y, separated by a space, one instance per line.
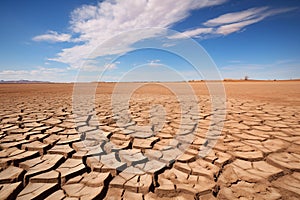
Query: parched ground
x=50 y=151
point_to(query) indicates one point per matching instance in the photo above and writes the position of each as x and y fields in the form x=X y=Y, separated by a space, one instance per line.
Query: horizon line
x=190 y=81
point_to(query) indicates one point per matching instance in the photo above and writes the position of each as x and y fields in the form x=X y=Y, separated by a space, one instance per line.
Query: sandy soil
x=275 y=92
x=52 y=147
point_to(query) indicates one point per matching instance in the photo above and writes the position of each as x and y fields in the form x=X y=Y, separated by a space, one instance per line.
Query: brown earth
x=54 y=148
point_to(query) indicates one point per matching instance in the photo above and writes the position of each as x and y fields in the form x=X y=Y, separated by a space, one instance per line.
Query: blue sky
x=57 y=40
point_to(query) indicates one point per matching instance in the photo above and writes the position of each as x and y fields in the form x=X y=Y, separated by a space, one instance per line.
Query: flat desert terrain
x=161 y=145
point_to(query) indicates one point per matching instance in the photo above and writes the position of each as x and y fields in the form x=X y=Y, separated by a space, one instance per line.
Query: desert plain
x=49 y=151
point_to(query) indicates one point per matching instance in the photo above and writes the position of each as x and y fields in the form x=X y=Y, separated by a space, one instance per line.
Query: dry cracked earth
x=48 y=151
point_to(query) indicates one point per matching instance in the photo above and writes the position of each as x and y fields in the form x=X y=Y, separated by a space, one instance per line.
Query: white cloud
x=234 y=22
x=234 y=17
x=168 y=44
x=155 y=63
x=231 y=22
x=93 y=67
x=38 y=73
x=192 y=33
x=231 y=28
x=95 y=24
x=52 y=36
x=12 y=72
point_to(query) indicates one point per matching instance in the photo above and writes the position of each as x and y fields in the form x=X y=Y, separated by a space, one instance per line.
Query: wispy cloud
x=94 y=24
x=231 y=22
x=154 y=63
x=38 y=73
x=235 y=27
x=198 y=32
x=234 y=17
x=93 y=67
x=52 y=36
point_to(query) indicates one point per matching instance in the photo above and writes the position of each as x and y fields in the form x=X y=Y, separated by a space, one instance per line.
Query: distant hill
x=23 y=81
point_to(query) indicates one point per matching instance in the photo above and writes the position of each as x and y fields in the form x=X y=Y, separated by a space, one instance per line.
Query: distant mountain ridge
x=23 y=81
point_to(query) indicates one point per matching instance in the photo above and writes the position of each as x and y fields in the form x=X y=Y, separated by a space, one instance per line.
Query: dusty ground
x=257 y=155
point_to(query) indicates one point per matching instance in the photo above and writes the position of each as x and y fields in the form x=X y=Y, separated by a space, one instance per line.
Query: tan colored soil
x=50 y=150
